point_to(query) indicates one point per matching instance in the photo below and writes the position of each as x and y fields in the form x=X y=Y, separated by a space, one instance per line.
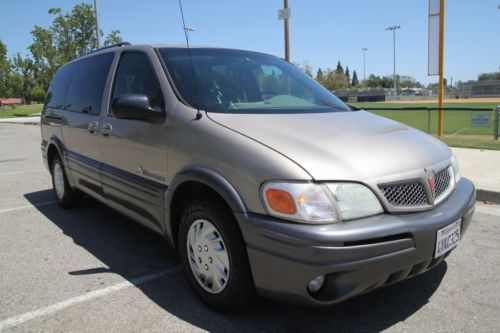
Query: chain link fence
x=475 y=89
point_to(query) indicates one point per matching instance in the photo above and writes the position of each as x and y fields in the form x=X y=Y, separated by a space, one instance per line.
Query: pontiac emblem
x=432 y=185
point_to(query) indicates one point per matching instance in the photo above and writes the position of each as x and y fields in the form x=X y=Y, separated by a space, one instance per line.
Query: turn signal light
x=280 y=201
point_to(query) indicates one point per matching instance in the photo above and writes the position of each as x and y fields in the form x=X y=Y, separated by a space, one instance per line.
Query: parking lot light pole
x=393 y=28
x=96 y=24
x=364 y=49
x=284 y=14
x=287 y=35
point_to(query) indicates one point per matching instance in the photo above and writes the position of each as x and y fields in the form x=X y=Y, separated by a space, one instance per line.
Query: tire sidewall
x=55 y=162
x=71 y=197
x=229 y=231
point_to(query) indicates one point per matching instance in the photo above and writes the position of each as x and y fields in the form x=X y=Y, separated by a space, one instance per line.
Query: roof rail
x=114 y=45
x=110 y=46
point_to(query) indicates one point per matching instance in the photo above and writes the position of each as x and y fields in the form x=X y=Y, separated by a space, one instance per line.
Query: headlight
x=355 y=200
x=456 y=168
x=319 y=203
x=304 y=202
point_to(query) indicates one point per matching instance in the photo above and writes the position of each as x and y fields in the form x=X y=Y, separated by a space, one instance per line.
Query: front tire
x=213 y=254
x=65 y=195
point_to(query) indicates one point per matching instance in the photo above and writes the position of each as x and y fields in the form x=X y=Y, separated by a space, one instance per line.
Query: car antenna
x=193 y=77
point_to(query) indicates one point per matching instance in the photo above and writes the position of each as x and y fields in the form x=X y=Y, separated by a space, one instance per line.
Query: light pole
x=287 y=33
x=364 y=49
x=96 y=24
x=394 y=28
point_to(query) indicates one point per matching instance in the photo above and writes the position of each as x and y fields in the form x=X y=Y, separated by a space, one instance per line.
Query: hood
x=356 y=146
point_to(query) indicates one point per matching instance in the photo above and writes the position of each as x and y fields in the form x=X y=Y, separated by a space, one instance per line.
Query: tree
x=38 y=94
x=347 y=74
x=406 y=81
x=308 y=68
x=489 y=76
x=16 y=83
x=319 y=76
x=5 y=69
x=113 y=38
x=339 y=69
x=374 y=81
x=71 y=35
x=355 y=80
x=25 y=69
x=305 y=67
x=333 y=80
x=11 y=83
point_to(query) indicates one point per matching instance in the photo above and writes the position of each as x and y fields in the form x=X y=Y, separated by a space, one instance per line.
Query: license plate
x=447 y=238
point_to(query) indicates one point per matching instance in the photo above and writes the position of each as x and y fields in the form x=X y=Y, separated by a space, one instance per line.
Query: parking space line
x=27 y=206
x=21 y=172
x=20 y=319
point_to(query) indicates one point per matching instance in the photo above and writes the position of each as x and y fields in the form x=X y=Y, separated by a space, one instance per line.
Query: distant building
x=415 y=92
x=10 y=101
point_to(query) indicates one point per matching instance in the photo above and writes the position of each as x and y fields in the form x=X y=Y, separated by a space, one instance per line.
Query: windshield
x=234 y=81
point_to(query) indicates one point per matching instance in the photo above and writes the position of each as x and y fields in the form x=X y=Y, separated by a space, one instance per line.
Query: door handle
x=92 y=127
x=106 y=129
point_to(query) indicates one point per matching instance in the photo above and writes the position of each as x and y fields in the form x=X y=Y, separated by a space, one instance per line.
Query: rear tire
x=214 y=257
x=65 y=195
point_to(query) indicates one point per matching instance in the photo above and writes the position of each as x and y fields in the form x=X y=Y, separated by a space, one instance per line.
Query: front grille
x=409 y=194
x=442 y=180
x=413 y=194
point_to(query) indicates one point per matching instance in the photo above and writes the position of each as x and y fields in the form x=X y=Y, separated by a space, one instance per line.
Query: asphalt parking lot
x=91 y=269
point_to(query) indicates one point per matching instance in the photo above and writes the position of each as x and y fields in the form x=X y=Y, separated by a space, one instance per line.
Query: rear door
x=80 y=117
x=134 y=152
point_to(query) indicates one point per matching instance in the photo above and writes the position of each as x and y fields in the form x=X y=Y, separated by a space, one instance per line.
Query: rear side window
x=135 y=75
x=59 y=87
x=87 y=85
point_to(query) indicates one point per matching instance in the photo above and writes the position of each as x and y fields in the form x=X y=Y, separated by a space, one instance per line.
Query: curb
x=485 y=195
x=20 y=122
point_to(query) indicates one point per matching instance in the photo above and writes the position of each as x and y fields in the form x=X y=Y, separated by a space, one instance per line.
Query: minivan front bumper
x=355 y=257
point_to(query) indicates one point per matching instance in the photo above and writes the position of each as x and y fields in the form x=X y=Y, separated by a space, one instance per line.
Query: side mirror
x=135 y=106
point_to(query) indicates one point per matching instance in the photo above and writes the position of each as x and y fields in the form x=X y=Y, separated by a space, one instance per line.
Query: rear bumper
x=356 y=256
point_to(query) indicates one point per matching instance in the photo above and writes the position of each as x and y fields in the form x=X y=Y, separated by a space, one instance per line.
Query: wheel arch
x=192 y=182
x=55 y=146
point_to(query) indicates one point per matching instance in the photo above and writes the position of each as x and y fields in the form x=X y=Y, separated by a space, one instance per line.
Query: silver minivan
x=265 y=182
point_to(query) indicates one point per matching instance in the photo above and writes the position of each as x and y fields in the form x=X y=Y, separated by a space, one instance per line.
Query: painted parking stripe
x=20 y=319
x=21 y=172
x=27 y=206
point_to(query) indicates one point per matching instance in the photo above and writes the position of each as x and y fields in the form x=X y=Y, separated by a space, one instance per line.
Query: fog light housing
x=315 y=284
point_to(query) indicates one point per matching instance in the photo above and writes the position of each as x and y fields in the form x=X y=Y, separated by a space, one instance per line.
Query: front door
x=134 y=152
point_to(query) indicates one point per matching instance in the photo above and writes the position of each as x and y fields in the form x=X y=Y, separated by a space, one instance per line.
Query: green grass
x=471 y=143
x=455 y=122
x=20 y=110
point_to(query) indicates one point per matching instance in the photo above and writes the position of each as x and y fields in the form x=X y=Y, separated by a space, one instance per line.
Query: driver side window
x=135 y=75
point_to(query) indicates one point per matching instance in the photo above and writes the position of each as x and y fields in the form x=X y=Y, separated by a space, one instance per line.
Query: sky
x=322 y=32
